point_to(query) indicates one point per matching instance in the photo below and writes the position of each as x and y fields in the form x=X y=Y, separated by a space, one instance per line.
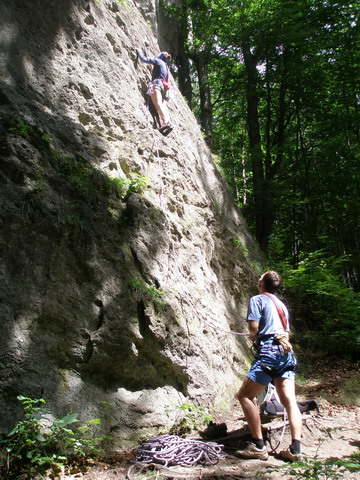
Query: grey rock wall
x=105 y=298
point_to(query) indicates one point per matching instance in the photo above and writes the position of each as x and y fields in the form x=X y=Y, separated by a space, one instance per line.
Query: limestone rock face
x=110 y=292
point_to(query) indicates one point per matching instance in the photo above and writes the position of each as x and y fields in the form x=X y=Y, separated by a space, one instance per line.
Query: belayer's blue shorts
x=271 y=362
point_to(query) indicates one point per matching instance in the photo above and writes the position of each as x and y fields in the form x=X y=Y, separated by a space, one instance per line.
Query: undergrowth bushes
x=40 y=443
x=329 y=469
x=328 y=311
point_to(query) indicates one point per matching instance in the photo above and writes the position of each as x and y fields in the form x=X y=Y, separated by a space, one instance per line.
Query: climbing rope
x=283 y=428
x=155 y=152
x=169 y=450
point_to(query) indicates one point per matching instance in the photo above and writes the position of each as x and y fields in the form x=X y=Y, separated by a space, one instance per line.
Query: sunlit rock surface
x=107 y=297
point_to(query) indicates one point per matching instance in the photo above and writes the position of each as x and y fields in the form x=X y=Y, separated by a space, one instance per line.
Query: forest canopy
x=276 y=88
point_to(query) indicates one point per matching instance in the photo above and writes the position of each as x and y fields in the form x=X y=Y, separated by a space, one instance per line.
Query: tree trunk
x=264 y=214
x=205 y=95
x=182 y=62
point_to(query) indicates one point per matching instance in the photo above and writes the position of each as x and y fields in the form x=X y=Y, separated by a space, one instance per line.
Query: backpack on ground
x=269 y=403
x=271 y=407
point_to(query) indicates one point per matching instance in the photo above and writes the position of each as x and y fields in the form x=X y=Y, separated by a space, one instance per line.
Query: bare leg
x=248 y=391
x=160 y=105
x=286 y=391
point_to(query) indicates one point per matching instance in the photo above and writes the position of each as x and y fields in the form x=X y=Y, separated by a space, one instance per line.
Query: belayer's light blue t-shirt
x=262 y=309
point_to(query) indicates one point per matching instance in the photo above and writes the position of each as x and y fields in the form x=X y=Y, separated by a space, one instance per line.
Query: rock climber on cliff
x=158 y=87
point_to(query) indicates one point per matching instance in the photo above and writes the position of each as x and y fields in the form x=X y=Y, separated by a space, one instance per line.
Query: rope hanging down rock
x=169 y=450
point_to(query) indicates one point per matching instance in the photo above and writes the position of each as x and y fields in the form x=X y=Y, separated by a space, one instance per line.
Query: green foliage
x=332 y=310
x=135 y=184
x=329 y=469
x=143 y=292
x=240 y=245
x=87 y=181
x=30 y=197
x=284 y=83
x=39 y=443
x=78 y=171
x=71 y=220
x=192 y=418
x=23 y=129
x=46 y=138
x=125 y=3
x=257 y=267
x=218 y=210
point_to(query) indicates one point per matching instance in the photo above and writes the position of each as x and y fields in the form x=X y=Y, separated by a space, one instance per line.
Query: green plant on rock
x=46 y=139
x=85 y=179
x=32 y=134
x=119 y=185
x=257 y=267
x=71 y=220
x=126 y=186
x=40 y=443
x=30 y=197
x=23 y=129
x=126 y=3
x=143 y=292
x=240 y=245
x=78 y=171
x=138 y=183
x=192 y=418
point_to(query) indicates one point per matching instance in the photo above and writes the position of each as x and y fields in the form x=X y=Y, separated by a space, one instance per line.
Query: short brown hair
x=167 y=55
x=272 y=281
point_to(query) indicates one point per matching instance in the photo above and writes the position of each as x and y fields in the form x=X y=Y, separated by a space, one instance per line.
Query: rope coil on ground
x=169 y=450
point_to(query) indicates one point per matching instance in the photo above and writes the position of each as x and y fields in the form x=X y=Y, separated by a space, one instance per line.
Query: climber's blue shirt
x=160 y=68
x=262 y=309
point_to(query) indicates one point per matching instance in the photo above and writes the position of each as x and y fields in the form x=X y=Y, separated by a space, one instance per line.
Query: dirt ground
x=335 y=433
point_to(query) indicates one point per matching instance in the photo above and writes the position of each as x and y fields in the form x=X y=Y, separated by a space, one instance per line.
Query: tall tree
x=279 y=83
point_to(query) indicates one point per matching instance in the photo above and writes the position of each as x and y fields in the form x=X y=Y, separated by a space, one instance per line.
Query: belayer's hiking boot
x=287 y=456
x=251 y=451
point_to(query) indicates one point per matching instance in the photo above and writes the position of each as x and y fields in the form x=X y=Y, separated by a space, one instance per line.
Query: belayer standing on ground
x=158 y=87
x=268 y=320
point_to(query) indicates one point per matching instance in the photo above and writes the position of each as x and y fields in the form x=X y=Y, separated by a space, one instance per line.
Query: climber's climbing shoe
x=166 y=129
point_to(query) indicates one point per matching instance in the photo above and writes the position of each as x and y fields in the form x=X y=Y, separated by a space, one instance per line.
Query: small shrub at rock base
x=41 y=443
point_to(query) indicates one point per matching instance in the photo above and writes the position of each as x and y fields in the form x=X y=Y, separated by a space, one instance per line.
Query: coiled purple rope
x=169 y=450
